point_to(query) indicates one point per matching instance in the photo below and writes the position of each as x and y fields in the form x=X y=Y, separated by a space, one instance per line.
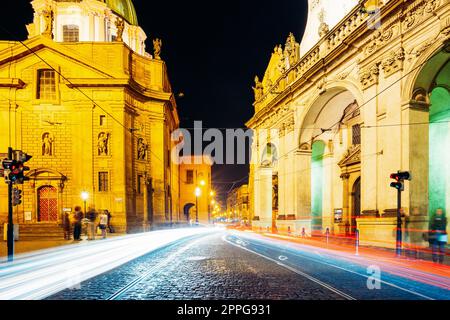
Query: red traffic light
x=401 y=175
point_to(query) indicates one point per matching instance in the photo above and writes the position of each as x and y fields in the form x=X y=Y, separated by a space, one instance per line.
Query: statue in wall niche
x=142 y=149
x=47 y=144
x=258 y=89
x=120 y=25
x=157 y=45
x=48 y=20
x=102 y=144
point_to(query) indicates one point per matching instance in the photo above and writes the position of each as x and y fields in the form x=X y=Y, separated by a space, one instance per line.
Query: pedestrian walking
x=66 y=226
x=438 y=235
x=77 y=217
x=92 y=217
x=103 y=223
x=110 y=227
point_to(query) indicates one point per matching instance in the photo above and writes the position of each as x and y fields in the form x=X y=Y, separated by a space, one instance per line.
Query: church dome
x=123 y=8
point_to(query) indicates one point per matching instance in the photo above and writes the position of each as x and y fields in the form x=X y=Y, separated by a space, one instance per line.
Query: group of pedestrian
x=91 y=221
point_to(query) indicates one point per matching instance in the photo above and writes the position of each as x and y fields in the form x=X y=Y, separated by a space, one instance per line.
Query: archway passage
x=318 y=150
x=47 y=204
x=439 y=170
x=186 y=210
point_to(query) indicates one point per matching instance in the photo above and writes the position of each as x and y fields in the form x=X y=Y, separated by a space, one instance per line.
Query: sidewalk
x=376 y=254
x=346 y=245
x=27 y=246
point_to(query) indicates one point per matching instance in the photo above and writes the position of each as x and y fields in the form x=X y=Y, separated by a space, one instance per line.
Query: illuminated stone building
x=95 y=110
x=237 y=204
x=195 y=188
x=363 y=95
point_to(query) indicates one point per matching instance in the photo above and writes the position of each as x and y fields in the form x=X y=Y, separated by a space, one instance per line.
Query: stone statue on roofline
x=258 y=89
x=120 y=25
x=48 y=19
x=157 y=45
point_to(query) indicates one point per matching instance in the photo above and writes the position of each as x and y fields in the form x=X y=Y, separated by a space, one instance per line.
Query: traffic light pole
x=10 y=231
x=399 y=224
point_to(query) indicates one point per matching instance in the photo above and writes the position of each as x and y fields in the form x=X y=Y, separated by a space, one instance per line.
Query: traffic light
x=18 y=169
x=17 y=197
x=400 y=178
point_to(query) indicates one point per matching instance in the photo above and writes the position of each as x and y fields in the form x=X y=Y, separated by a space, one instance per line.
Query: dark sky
x=213 y=50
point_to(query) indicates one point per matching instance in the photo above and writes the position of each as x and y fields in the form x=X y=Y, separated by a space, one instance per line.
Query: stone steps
x=40 y=231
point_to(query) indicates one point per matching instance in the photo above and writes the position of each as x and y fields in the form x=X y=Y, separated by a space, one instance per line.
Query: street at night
x=225 y=159
x=216 y=264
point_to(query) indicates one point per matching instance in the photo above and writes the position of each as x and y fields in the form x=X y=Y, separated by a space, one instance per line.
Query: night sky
x=213 y=50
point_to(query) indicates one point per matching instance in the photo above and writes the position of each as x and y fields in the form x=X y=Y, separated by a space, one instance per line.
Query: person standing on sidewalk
x=103 y=223
x=91 y=216
x=438 y=235
x=66 y=226
x=77 y=217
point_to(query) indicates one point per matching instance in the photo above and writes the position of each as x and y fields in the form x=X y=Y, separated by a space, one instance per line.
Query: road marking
x=307 y=276
x=354 y=272
x=282 y=258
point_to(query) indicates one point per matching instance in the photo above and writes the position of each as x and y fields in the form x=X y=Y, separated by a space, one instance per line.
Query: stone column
x=91 y=26
x=415 y=159
x=346 y=215
x=303 y=184
x=265 y=196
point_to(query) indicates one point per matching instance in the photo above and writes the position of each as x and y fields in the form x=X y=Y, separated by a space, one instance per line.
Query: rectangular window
x=190 y=177
x=71 y=33
x=46 y=85
x=102 y=120
x=140 y=184
x=356 y=134
x=103 y=181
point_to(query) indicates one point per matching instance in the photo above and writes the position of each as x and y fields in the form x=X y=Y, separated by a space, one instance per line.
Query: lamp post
x=198 y=193
x=85 y=197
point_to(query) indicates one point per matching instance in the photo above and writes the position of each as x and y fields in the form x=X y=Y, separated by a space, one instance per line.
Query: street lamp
x=85 y=197
x=198 y=193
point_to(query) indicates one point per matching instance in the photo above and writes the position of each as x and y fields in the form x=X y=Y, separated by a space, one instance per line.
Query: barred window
x=190 y=177
x=103 y=181
x=71 y=33
x=46 y=89
x=356 y=130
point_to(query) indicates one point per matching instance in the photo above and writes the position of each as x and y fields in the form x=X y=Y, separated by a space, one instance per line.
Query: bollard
x=328 y=235
x=357 y=242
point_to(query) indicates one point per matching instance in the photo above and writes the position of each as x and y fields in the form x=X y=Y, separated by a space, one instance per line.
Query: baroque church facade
x=95 y=110
x=363 y=95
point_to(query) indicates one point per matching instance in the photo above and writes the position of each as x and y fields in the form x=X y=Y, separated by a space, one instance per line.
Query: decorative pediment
x=351 y=157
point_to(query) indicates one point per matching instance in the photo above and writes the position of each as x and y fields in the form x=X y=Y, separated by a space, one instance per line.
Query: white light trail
x=41 y=274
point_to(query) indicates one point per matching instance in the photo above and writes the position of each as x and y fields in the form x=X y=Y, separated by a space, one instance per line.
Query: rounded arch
x=319 y=101
x=186 y=210
x=269 y=156
x=422 y=73
x=49 y=173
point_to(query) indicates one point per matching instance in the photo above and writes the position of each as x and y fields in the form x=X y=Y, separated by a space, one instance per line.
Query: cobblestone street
x=205 y=268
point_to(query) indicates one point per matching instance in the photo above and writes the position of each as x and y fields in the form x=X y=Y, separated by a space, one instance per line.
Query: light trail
x=391 y=266
x=39 y=275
